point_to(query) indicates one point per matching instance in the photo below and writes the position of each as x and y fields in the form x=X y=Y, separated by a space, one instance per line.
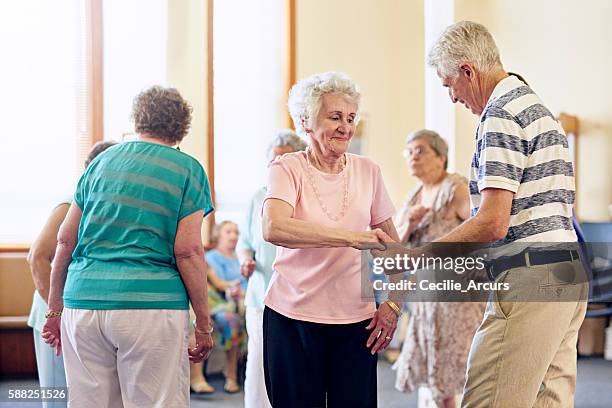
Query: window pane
x=249 y=100
x=42 y=75
x=134 y=57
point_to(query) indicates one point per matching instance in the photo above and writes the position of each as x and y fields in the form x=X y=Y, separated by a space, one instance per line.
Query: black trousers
x=317 y=365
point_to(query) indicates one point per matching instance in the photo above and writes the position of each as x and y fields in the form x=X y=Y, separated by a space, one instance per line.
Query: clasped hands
x=376 y=241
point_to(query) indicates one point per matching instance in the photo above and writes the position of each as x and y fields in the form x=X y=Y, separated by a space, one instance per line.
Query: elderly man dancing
x=522 y=190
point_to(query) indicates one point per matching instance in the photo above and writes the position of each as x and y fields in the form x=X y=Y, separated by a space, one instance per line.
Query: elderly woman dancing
x=320 y=336
x=129 y=259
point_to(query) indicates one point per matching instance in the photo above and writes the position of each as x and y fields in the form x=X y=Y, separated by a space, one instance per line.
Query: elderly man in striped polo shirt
x=522 y=190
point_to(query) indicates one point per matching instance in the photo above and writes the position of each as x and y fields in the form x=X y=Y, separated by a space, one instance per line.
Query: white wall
x=187 y=71
x=380 y=45
x=562 y=48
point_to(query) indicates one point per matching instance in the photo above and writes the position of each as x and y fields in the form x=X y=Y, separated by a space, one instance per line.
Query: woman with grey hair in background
x=323 y=206
x=256 y=257
x=439 y=334
x=129 y=260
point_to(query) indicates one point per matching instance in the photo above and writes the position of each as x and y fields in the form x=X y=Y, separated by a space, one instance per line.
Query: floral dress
x=230 y=329
x=439 y=334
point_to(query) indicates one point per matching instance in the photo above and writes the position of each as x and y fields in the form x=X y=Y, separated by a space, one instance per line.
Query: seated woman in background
x=439 y=334
x=226 y=291
x=50 y=367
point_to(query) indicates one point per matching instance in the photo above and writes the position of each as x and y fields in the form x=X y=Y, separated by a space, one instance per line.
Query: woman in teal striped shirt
x=129 y=260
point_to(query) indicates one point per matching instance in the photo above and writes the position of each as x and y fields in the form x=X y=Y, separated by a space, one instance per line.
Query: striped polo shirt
x=132 y=197
x=520 y=147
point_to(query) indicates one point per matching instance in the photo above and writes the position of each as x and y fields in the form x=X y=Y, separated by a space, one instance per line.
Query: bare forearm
x=63 y=256
x=475 y=233
x=41 y=274
x=192 y=269
x=478 y=229
x=294 y=233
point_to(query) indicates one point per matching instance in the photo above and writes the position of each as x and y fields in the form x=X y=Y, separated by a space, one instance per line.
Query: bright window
x=42 y=105
x=249 y=97
x=135 y=36
x=45 y=136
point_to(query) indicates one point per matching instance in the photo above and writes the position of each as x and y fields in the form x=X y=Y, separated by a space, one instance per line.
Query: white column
x=439 y=111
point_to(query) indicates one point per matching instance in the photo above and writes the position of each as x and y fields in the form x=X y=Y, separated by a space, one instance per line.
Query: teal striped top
x=132 y=197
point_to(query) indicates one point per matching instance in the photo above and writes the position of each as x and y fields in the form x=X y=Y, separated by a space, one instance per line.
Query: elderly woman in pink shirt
x=323 y=206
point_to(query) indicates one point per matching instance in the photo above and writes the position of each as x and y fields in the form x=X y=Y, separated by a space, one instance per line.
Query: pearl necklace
x=310 y=176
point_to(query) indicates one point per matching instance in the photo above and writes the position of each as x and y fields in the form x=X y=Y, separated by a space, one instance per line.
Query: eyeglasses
x=417 y=151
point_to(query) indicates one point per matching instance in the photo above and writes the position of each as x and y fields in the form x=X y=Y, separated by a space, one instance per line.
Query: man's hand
x=386 y=239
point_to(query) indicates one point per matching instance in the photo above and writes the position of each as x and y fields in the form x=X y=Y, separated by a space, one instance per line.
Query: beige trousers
x=126 y=358
x=524 y=353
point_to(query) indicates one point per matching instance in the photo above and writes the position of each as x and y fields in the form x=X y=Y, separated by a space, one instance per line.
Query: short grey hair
x=305 y=96
x=436 y=142
x=287 y=137
x=464 y=42
x=162 y=113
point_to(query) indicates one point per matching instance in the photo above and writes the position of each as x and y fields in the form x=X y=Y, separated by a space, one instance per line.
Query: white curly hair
x=305 y=96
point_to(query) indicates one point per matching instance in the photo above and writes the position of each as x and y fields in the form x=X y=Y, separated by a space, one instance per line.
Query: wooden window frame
x=95 y=70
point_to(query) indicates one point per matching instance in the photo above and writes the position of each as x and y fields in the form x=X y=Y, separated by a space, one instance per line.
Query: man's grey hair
x=464 y=42
x=305 y=96
x=287 y=137
x=436 y=142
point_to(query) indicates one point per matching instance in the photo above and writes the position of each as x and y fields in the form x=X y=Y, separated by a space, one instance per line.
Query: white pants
x=255 y=395
x=50 y=368
x=126 y=358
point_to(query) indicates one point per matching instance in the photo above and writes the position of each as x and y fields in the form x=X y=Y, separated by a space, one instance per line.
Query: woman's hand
x=368 y=240
x=52 y=333
x=416 y=213
x=384 y=324
x=234 y=290
x=204 y=344
x=247 y=268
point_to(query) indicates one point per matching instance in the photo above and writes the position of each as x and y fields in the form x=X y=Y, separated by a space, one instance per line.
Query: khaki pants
x=524 y=352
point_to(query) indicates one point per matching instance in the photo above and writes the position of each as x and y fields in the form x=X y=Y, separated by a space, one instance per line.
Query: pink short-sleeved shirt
x=323 y=285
